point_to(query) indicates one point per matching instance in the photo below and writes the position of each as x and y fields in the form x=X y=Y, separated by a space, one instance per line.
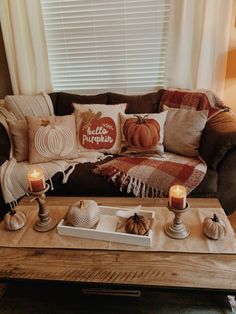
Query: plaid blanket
x=153 y=176
x=193 y=100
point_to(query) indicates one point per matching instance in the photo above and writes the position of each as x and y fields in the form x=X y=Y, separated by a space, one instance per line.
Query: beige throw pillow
x=98 y=127
x=52 y=138
x=183 y=130
x=142 y=133
x=19 y=136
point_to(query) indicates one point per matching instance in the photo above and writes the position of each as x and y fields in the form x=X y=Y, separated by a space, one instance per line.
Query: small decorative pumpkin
x=141 y=132
x=14 y=220
x=214 y=227
x=137 y=224
x=83 y=214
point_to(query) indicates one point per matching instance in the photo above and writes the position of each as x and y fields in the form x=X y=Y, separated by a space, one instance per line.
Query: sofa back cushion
x=147 y=103
x=63 y=102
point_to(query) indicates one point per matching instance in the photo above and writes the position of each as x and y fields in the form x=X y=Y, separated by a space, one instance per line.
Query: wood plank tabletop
x=124 y=201
x=144 y=269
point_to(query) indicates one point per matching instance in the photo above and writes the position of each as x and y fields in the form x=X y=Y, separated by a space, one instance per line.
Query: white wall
x=230 y=79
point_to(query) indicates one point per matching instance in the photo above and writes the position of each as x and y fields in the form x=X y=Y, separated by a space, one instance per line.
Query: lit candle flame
x=178 y=190
x=35 y=173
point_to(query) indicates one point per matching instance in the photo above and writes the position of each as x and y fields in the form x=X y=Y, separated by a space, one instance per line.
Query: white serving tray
x=106 y=229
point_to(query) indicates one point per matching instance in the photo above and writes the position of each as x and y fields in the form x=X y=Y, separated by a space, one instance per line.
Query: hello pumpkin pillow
x=142 y=133
x=98 y=127
x=52 y=138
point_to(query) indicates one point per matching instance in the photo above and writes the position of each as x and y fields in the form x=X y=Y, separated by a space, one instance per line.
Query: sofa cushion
x=183 y=130
x=52 y=138
x=208 y=187
x=148 y=103
x=84 y=182
x=64 y=101
x=142 y=133
x=98 y=127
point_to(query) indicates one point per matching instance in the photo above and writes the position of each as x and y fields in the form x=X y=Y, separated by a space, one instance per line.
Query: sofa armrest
x=5 y=145
x=218 y=138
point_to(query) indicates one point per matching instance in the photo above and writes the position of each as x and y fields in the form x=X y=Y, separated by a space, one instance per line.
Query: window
x=106 y=45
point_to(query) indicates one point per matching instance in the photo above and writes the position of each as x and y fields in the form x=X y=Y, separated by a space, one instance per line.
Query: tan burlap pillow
x=142 y=133
x=183 y=130
x=19 y=136
x=98 y=127
x=52 y=138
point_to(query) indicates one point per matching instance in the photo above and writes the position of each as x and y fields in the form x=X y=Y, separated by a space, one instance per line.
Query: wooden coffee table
x=106 y=267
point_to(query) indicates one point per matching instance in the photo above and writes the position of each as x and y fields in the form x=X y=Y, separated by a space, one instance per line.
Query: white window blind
x=106 y=45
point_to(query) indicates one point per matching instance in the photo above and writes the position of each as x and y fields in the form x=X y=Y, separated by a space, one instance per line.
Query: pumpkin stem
x=215 y=218
x=141 y=120
x=81 y=204
x=12 y=212
x=136 y=217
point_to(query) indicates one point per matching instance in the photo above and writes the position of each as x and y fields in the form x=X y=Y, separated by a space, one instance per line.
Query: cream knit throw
x=13 y=174
x=22 y=106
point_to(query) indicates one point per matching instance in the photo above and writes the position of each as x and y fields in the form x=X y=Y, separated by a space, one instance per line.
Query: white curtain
x=24 y=39
x=198 y=44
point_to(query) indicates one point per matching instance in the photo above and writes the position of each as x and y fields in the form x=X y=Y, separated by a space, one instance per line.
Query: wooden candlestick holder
x=45 y=221
x=176 y=229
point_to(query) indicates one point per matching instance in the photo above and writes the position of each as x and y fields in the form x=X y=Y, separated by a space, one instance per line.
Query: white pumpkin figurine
x=83 y=214
x=14 y=220
x=214 y=227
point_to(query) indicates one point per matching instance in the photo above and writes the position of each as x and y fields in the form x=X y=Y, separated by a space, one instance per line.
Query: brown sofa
x=218 y=149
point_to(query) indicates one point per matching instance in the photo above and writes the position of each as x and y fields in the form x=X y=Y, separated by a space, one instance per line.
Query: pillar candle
x=177 y=197
x=36 y=180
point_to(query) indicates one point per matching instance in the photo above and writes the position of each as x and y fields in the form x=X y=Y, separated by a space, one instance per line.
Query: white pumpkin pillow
x=142 y=133
x=98 y=127
x=52 y=138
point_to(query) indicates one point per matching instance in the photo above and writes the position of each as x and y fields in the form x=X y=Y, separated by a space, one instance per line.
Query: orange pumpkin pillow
x=98 y=127
x=52 y=138
x=142 y=133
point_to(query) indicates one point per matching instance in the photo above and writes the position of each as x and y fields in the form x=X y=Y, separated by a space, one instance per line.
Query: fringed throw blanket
x=194 y=100
x=13 y=174
x=153 y=176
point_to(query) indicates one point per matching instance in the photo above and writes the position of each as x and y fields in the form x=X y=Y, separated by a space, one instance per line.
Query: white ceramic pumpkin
x=83 y=214
x=14 y=220
x=214 y=227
